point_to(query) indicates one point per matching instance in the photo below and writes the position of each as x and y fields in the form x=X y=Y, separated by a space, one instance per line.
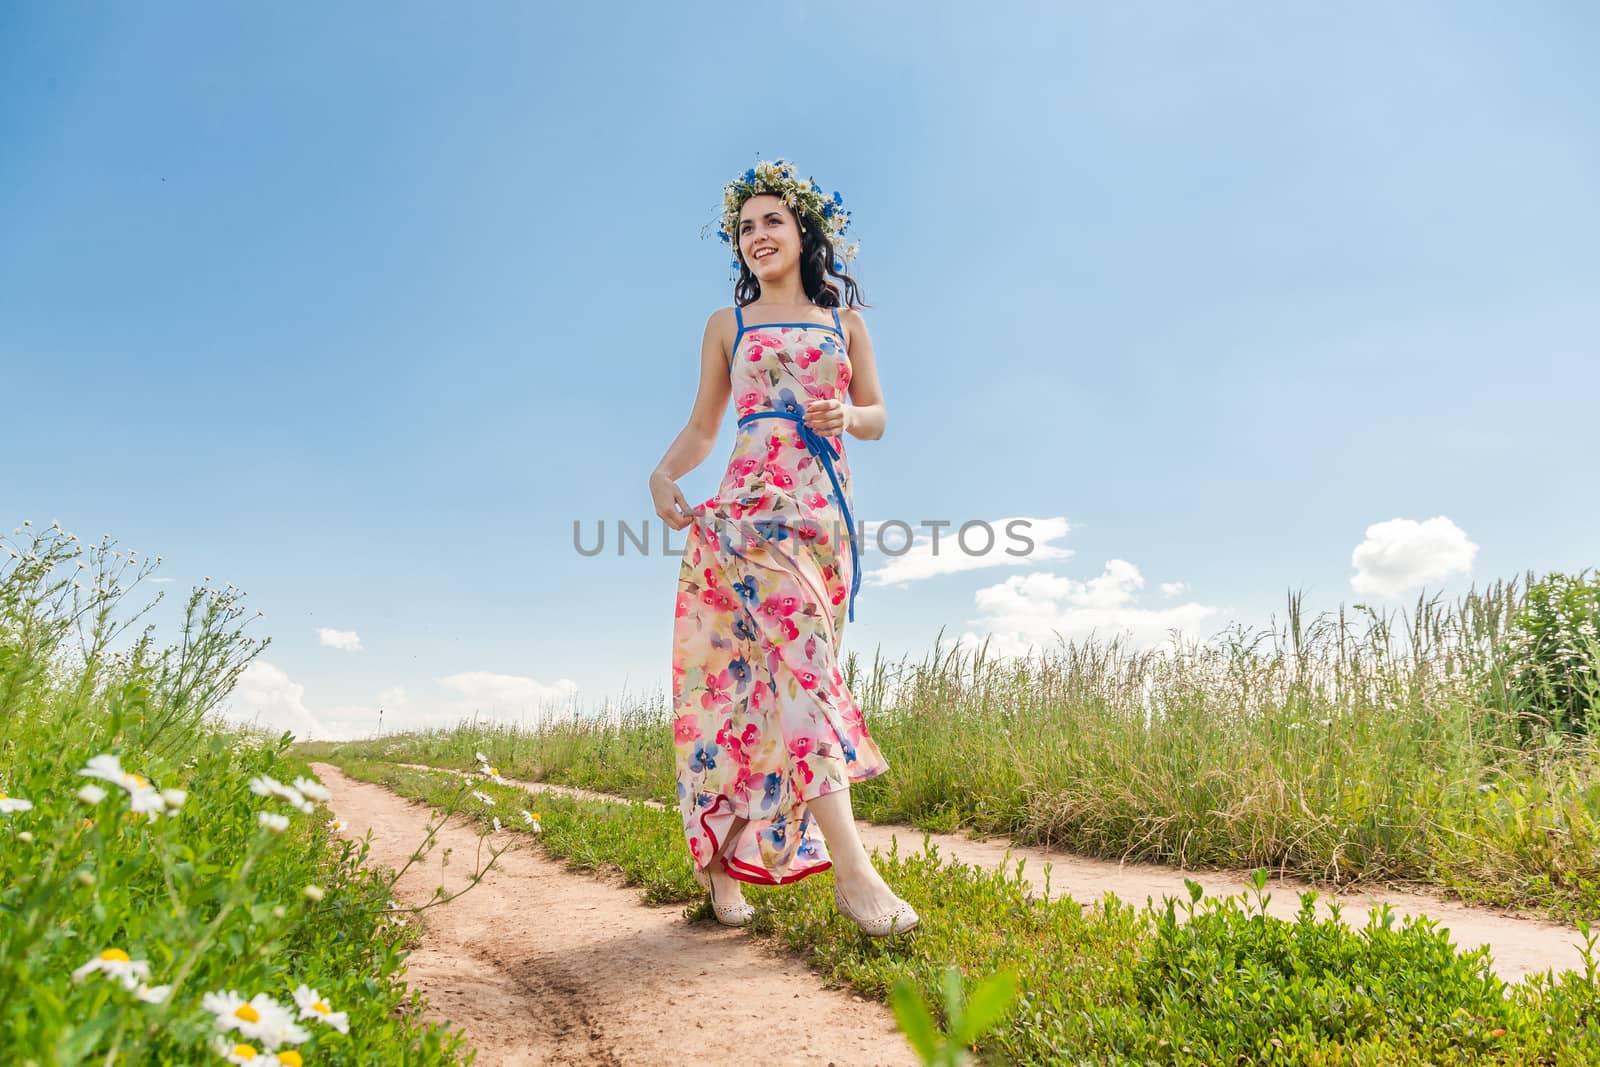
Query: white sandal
x=897 y=920
x=727 y=914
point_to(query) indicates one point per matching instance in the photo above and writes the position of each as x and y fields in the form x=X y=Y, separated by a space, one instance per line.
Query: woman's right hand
x=670 y=505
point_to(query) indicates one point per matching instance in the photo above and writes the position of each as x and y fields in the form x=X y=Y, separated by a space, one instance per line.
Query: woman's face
x=769 y=240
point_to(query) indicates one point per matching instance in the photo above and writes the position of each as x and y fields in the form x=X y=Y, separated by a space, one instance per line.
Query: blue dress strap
x=738 y=317
x=836 y=325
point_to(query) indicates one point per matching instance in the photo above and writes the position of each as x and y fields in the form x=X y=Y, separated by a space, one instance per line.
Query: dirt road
x=542 y=966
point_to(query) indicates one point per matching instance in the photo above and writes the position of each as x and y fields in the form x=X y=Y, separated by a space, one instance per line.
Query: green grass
x=1197 y=981
x=197 y=890
x=1342 y=748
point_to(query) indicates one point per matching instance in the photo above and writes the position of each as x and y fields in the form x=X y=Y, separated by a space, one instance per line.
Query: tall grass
x=1345 y=746
x=156 y=873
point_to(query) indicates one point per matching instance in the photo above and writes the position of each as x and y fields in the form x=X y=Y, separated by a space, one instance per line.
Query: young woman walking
x=768 y=738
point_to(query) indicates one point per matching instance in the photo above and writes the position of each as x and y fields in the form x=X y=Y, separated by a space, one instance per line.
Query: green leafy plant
x=966 y=1020
x=1556 y=678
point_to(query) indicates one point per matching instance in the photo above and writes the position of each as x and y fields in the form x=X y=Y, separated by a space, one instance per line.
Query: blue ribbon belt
x=827 y=452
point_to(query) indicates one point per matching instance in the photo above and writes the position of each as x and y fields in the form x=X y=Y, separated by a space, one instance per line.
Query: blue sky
x=360 y=306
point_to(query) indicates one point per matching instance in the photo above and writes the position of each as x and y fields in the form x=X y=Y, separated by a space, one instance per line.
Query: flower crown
x=804 y=197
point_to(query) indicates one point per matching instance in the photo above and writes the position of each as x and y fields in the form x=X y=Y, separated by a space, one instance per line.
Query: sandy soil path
x=542 y=966
x=1519 y=945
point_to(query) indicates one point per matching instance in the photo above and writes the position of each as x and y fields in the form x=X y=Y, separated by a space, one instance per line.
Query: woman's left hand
x=828 y=417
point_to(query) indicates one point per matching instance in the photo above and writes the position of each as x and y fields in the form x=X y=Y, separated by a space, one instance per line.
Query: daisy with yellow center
x=115 y=963
x=260 y=1018
x=11 y=804
x=312 y=1006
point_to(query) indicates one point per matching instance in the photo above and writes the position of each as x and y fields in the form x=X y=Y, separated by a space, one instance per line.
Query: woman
x=768 y=738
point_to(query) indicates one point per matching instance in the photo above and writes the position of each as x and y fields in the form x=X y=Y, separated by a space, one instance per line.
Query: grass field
x=1197 y=981
x=170 y=889
x=1340 y=748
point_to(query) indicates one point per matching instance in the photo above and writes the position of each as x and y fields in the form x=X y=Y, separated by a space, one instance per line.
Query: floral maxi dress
x=763 y=720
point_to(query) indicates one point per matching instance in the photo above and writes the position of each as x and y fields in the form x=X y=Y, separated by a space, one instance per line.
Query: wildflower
x=491 y=773
x=481 y=757
x=152 y=994
x=336 y=825
x=531 y=819
x=107 y=767
x=25 y=837
x=290 y=1058
x=497 y=824
x=11 y=804
x=276 y=823
x=240 y=1053
x=91 y=794
x=267 y=786
x=312 y=1006
x=142 y=796
x=314 y=892
x=485 y=797
x=260 y=1018
x=115 y=964
x=312 y=788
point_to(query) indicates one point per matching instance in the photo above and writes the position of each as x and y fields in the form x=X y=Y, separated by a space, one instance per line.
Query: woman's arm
x=867 y=415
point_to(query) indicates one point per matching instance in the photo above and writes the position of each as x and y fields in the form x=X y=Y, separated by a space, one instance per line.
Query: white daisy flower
x=497 y=824
x=267 y=786
x=261 y=1018
x=485 y=797
x=108 y=767
x=312 y=1006
x=532 y=820
x=91 y=794
x=314 y=892
x=174 y=798
x=148 y=801
x=115 y=964
x=239 y=1052
x=312 y=788
x=336 y=825
x=276 y=823
x=11 y=804
x=481 y=757
x=152 y=994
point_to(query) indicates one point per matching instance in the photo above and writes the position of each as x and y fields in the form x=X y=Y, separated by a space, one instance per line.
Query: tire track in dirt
x=542 y=966
x=1519 y=944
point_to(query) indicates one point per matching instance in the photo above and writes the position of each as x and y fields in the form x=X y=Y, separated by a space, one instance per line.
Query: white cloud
x=1171 y=589
x=163 y=581
x=344 y=640
x=266 y=695
x=1402 y=553
x=485 y=691
x=1010 y=542
x=1028 y=611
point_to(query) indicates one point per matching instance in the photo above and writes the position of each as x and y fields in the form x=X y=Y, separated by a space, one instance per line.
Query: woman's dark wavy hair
x=817 y=256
